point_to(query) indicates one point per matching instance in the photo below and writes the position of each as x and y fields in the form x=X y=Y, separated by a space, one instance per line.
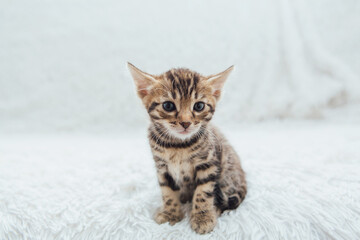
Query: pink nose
x=185 y=124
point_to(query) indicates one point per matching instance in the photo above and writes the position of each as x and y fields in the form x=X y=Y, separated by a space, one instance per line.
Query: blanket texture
x=303 y=181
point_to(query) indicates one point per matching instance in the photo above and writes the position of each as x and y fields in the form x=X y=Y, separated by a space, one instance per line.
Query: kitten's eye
x=169 y=106
x=199 y=106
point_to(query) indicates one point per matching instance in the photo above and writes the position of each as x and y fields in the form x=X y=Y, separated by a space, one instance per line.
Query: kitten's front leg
x=204 y=212
x=170 y=211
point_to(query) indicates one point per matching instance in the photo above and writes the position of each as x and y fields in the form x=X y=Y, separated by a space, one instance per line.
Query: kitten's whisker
x=163 y=133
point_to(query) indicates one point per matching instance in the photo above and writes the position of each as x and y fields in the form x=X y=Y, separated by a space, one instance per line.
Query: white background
x=63 y=63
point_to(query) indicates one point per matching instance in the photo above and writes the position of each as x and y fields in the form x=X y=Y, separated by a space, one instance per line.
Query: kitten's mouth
x=185 y=132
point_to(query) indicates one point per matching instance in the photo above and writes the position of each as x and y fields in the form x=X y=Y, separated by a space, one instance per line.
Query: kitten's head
x=179 y=101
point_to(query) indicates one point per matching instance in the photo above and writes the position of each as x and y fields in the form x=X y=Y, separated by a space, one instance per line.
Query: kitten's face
x=179 y=102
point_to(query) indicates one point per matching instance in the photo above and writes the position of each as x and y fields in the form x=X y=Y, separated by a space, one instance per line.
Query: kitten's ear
x=143 y=80
x=217 y=81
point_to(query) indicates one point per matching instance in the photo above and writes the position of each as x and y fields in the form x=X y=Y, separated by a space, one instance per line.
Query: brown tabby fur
x=201 y=168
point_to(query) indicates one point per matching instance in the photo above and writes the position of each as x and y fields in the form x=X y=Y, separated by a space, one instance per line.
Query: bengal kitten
x=194 y=161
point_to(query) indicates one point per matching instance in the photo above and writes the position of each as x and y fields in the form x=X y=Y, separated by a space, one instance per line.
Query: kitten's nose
x=185 y=124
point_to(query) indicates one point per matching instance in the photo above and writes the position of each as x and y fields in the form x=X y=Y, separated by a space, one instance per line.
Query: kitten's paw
x=203 y=221
x=163 y=216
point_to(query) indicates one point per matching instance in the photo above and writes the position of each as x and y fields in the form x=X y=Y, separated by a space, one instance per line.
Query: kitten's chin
x=183 y=135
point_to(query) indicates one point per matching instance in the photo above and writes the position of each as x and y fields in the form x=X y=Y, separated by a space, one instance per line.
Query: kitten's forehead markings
x=200 y=96
x=194 y=94
x=191 y=86
x=171 y=80
x=180 y=83
x=172 y=95
x=165 y=86
x=165 y=97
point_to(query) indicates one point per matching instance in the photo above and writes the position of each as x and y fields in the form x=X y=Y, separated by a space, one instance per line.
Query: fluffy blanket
x=303 y=181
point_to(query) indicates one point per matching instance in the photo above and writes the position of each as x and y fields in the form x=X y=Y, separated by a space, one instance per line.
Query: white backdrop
x=62 y=63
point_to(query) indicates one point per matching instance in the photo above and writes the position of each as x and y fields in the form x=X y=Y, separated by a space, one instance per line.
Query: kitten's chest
x=180 y=167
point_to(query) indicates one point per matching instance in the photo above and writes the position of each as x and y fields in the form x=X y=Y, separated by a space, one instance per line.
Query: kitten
x=194 y=161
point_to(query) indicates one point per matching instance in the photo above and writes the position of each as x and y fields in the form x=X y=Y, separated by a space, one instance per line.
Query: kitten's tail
x=235 y=199
x=224 y=202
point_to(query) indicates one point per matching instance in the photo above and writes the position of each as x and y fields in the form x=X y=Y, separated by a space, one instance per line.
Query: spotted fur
x=199 y=167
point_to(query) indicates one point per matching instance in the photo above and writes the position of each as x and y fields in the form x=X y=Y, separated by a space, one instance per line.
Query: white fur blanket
x=303 y=181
